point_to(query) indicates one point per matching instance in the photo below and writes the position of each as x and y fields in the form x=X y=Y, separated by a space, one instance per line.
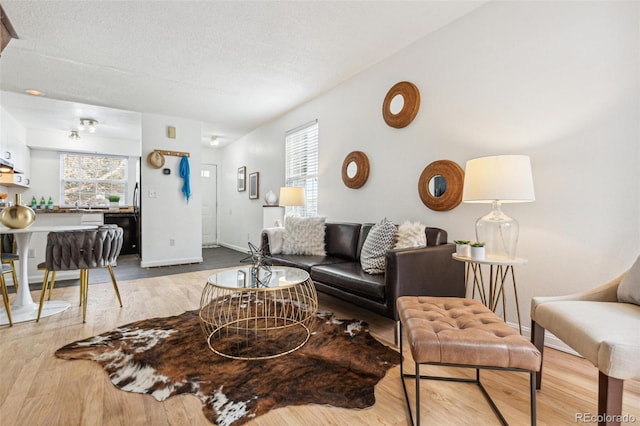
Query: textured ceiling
x=232 y=65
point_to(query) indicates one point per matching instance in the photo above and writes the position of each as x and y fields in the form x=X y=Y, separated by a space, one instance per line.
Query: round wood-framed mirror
x=440 y=185
x=401 y=104
x=355 y=169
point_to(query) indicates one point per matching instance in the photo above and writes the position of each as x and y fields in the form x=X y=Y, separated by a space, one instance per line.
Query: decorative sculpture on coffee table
x=257 y=259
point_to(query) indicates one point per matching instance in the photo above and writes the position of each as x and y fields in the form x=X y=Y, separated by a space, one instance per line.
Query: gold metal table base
x=492 y=295
x=251 y=323
x=500 y=270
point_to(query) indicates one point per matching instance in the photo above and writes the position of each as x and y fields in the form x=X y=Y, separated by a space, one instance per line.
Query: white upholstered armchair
x=602 y=325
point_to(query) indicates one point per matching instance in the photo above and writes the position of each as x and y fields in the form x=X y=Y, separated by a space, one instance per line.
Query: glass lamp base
x=499 y=233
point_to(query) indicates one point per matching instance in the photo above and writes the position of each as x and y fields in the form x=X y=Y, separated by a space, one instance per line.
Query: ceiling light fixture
x=214 y=141
x=89 y=123
x=34 y=92
x=74 y=135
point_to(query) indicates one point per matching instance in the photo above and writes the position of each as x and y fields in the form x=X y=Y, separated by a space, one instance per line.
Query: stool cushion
x=451 y=330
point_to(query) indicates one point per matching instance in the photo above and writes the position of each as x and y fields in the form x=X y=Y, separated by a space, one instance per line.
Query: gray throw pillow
x=304 y=235
x=629 y=288
x=381 y=238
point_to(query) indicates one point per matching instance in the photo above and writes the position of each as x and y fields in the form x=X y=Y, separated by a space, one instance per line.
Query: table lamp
x=496 y=180
x=291 y=196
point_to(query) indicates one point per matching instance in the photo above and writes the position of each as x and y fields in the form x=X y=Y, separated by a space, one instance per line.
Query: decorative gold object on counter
x=17 y=216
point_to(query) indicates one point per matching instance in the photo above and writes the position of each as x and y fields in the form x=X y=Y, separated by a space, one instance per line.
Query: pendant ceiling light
x=89 y=124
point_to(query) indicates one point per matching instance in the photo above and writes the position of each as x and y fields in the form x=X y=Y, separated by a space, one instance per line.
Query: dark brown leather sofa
x=422 y=271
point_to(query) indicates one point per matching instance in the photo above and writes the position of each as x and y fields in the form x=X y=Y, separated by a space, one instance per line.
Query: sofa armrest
x=422 y=271
x=605 y=293
x=435 y=236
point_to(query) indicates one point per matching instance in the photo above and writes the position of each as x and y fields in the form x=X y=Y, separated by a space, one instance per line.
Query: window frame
x=63 y=180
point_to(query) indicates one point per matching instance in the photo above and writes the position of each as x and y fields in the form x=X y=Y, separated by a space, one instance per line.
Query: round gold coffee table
x=248 y=313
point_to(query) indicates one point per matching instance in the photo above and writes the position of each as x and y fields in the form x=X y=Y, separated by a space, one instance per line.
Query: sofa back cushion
x=341 y=240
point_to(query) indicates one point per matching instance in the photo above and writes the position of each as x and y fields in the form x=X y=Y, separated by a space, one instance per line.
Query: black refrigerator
x=130 y=224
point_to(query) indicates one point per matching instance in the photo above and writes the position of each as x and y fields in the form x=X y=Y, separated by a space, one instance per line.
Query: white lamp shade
x=291 y=196
x=505 y=178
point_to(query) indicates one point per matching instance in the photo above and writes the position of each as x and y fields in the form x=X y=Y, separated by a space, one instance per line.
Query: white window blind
x=301 y=145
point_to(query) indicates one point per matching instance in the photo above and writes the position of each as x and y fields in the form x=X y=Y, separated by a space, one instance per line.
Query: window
x=87 y=179
x=301 y=162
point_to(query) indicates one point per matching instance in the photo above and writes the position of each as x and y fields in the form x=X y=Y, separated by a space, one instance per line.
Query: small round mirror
x=355 y=169
x=352 y=170
x=438 y=186
x=397 y=103
x=401 y=104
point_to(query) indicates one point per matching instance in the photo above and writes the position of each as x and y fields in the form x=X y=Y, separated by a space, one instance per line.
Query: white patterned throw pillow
x=381 y=238
x=304 y=235
x=411 y=234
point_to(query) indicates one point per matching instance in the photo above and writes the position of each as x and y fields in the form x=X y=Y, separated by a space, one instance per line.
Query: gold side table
x=248 y=313
x=500 y=269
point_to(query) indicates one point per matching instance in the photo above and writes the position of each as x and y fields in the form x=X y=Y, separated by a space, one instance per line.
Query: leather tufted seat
x=81 y=250
x=462 y=333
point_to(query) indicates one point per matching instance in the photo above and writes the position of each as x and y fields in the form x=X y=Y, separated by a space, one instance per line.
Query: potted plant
x=462 y=247
x=477 y=250
x=114 y=202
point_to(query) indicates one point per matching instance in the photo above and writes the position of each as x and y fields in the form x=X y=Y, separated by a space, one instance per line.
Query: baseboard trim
x=550 y=340
x=234 y=247
x=170 y=262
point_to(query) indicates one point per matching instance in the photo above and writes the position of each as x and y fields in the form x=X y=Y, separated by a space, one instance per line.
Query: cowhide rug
x=339 y=366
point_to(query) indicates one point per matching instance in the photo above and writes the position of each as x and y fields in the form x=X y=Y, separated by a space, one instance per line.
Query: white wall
x=554 y=80
x=171 y=226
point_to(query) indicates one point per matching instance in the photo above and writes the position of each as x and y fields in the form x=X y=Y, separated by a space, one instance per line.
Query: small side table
x=499 y=270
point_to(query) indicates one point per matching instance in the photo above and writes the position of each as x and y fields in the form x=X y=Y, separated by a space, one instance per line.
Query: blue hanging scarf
x=184 y=174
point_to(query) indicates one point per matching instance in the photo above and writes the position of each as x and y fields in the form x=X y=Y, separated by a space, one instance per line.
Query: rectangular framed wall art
x=254 y=185
x=242 y=173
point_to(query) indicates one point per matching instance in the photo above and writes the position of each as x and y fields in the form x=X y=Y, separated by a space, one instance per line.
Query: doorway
x=209 y=186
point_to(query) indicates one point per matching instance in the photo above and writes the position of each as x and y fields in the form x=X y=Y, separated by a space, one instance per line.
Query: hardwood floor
x=39 y=389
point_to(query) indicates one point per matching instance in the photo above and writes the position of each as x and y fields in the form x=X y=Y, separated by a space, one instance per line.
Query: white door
x=209 y=186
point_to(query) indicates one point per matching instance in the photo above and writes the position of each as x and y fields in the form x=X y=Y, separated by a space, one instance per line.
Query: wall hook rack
x=172 y=153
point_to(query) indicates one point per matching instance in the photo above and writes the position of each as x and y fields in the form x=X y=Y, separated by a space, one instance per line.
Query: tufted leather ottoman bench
x=460 y=332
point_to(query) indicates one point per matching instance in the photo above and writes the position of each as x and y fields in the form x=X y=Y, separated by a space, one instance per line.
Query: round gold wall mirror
x=440 y=185
x=355 y=169
x=401 y=104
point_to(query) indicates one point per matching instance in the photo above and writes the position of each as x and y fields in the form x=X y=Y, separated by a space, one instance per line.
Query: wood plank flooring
x=36 y=388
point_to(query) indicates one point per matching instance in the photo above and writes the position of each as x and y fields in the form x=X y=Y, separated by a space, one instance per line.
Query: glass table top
x=240 y=278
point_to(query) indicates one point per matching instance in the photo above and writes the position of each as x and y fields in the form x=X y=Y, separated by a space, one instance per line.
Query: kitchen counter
x=56 y=209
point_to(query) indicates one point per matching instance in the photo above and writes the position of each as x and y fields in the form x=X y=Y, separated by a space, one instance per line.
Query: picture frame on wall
x=242 y=173
x=253 y=185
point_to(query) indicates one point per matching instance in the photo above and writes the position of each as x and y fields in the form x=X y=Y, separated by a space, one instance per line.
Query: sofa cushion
x=341 y=239
x=304 y=235
x=350 y=277
x=302 y=261
x=381 y=238
x=629 y=287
